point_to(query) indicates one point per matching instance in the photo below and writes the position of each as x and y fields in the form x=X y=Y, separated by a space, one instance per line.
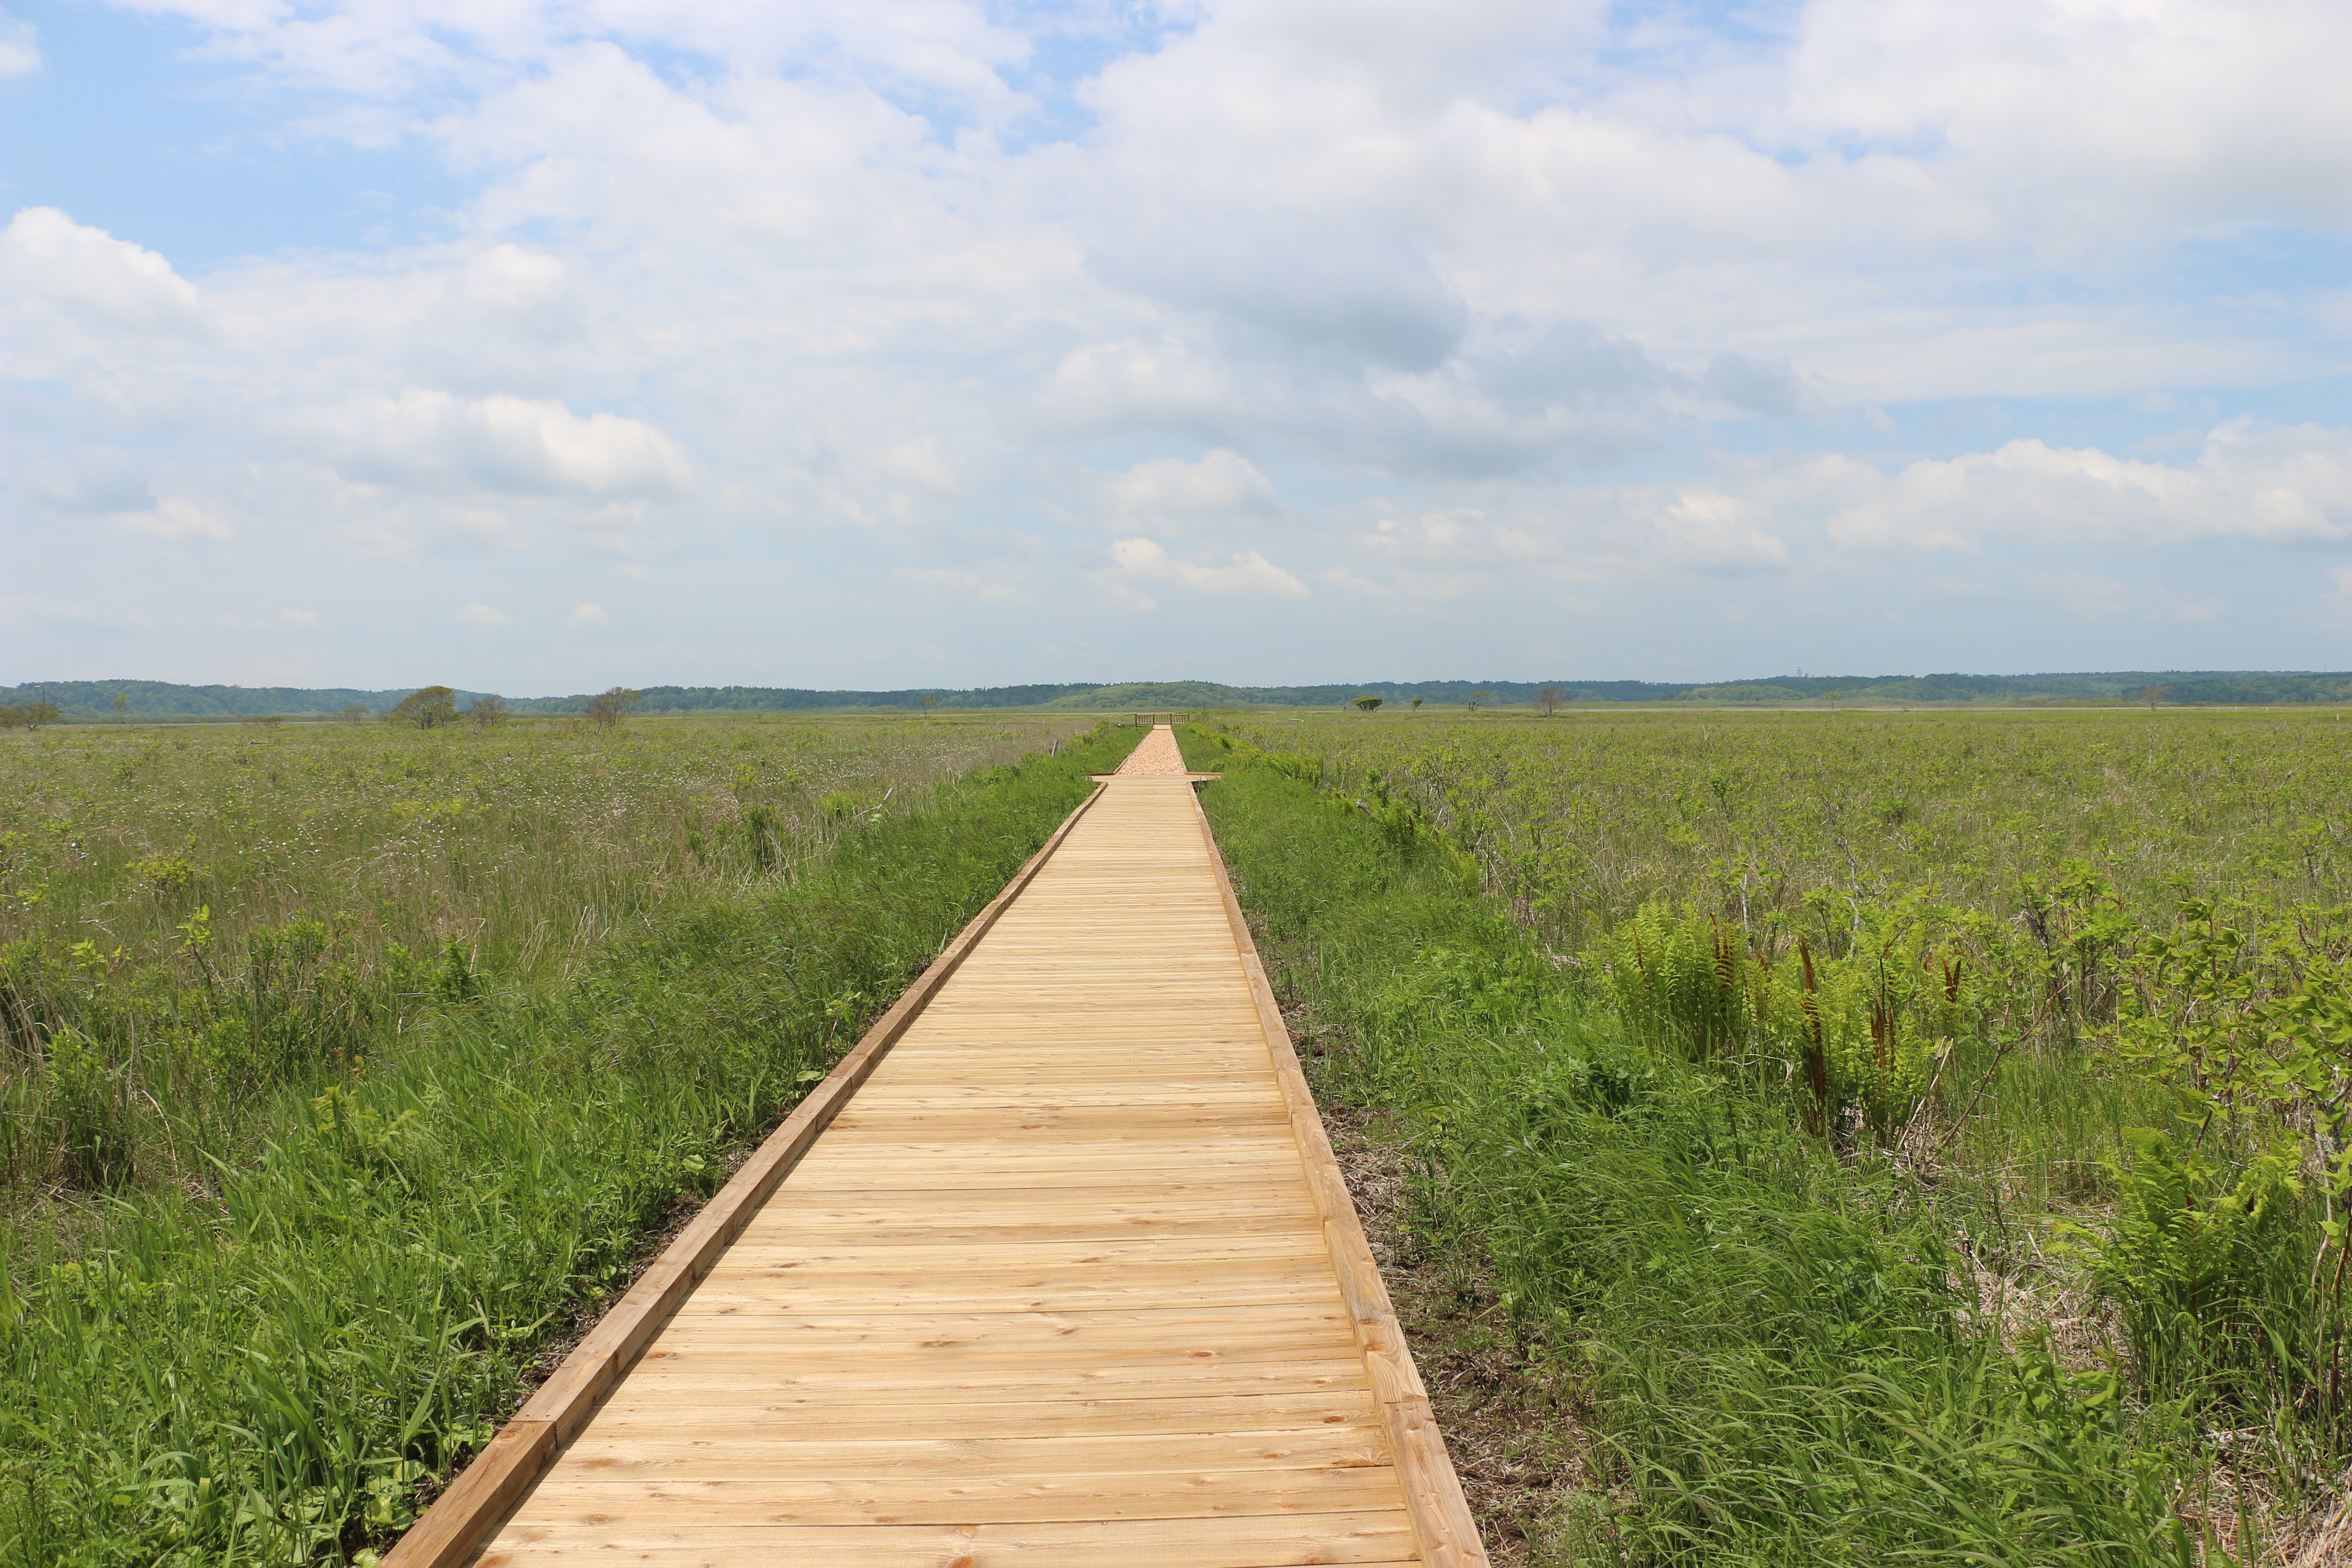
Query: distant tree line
x=151 y=699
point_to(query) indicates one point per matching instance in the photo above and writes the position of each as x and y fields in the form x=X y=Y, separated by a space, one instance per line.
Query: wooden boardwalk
x=1060 y=1274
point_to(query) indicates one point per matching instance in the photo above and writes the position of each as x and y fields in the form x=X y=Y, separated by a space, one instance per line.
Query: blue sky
x=539 y=346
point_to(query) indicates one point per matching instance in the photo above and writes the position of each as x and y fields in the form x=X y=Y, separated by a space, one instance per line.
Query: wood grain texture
x=1062 y=1274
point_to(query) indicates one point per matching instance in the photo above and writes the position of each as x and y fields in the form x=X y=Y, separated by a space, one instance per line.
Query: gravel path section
x=1157 y=754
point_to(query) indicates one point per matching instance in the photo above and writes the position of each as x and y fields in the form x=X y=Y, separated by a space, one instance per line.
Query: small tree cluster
x=487 y=713
x=1368 y=703
x=605 y=709
x=30 y=715
x=428 y=709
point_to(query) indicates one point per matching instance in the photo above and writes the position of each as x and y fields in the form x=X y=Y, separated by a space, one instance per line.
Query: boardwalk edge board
x=463 y=1517
x=1441 y=1515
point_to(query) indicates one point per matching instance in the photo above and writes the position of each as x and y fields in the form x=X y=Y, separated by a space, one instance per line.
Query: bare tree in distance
x=354 y=714
x=1549 y=699
x=1476 y=698
x=2152 y=695
x=605 y=709
x=1368 y=703
x=428 y=708
x=487 y=713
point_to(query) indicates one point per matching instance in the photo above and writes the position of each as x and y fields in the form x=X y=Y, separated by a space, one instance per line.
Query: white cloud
x=481 y=616
x=1341 y=577
x=1221 y=491
x=20 y=47
x=588 y=616
x=176 y=517
x=1247 y=572
x=299 y=617
x=429 y=440
x=2290 y=485
x=1708 y=531
x=971 y=584
x=70 y=287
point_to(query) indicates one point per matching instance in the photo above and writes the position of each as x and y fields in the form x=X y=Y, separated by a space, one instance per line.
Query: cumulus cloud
x=1137 y=562
x=68 y=284
x=1708 y=531
x=299 y=617
x=429 y=439
x=588 y=616
x=2275 y=486
x=1220 y=492
x=481 y=616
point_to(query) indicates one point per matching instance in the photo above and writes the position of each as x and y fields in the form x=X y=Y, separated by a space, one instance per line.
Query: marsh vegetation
x=347 y=1070
x=1883 y=1134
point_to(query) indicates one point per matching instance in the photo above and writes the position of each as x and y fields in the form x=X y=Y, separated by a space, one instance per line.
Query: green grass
x=268 y=1358
x=1942 y=1307
x=202 y=914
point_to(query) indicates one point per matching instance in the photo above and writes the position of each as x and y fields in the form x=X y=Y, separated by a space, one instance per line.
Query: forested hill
x=164 y=700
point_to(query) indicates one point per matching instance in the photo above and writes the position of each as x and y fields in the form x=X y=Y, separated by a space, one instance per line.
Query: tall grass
x=1789 y=824
x=190 y=916
x=271 y=1364
x=1814 y=1320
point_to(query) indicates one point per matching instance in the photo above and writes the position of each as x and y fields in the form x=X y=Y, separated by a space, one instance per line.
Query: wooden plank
x=878 y=1499
x=740 y=1354
x=1212 y=1323
x=835 y=1256
x=1371 y=1538
x=1015 y=1294
x=907 y=1227
x=611 y=1459
x=922 y=1389
x=850 y=1417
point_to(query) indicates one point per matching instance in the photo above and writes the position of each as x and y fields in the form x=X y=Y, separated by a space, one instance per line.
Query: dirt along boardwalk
x=1068 y=1279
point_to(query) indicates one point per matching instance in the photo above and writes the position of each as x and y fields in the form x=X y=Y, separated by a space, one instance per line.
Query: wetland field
x=1793 y=1138
x=1843 y=1136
